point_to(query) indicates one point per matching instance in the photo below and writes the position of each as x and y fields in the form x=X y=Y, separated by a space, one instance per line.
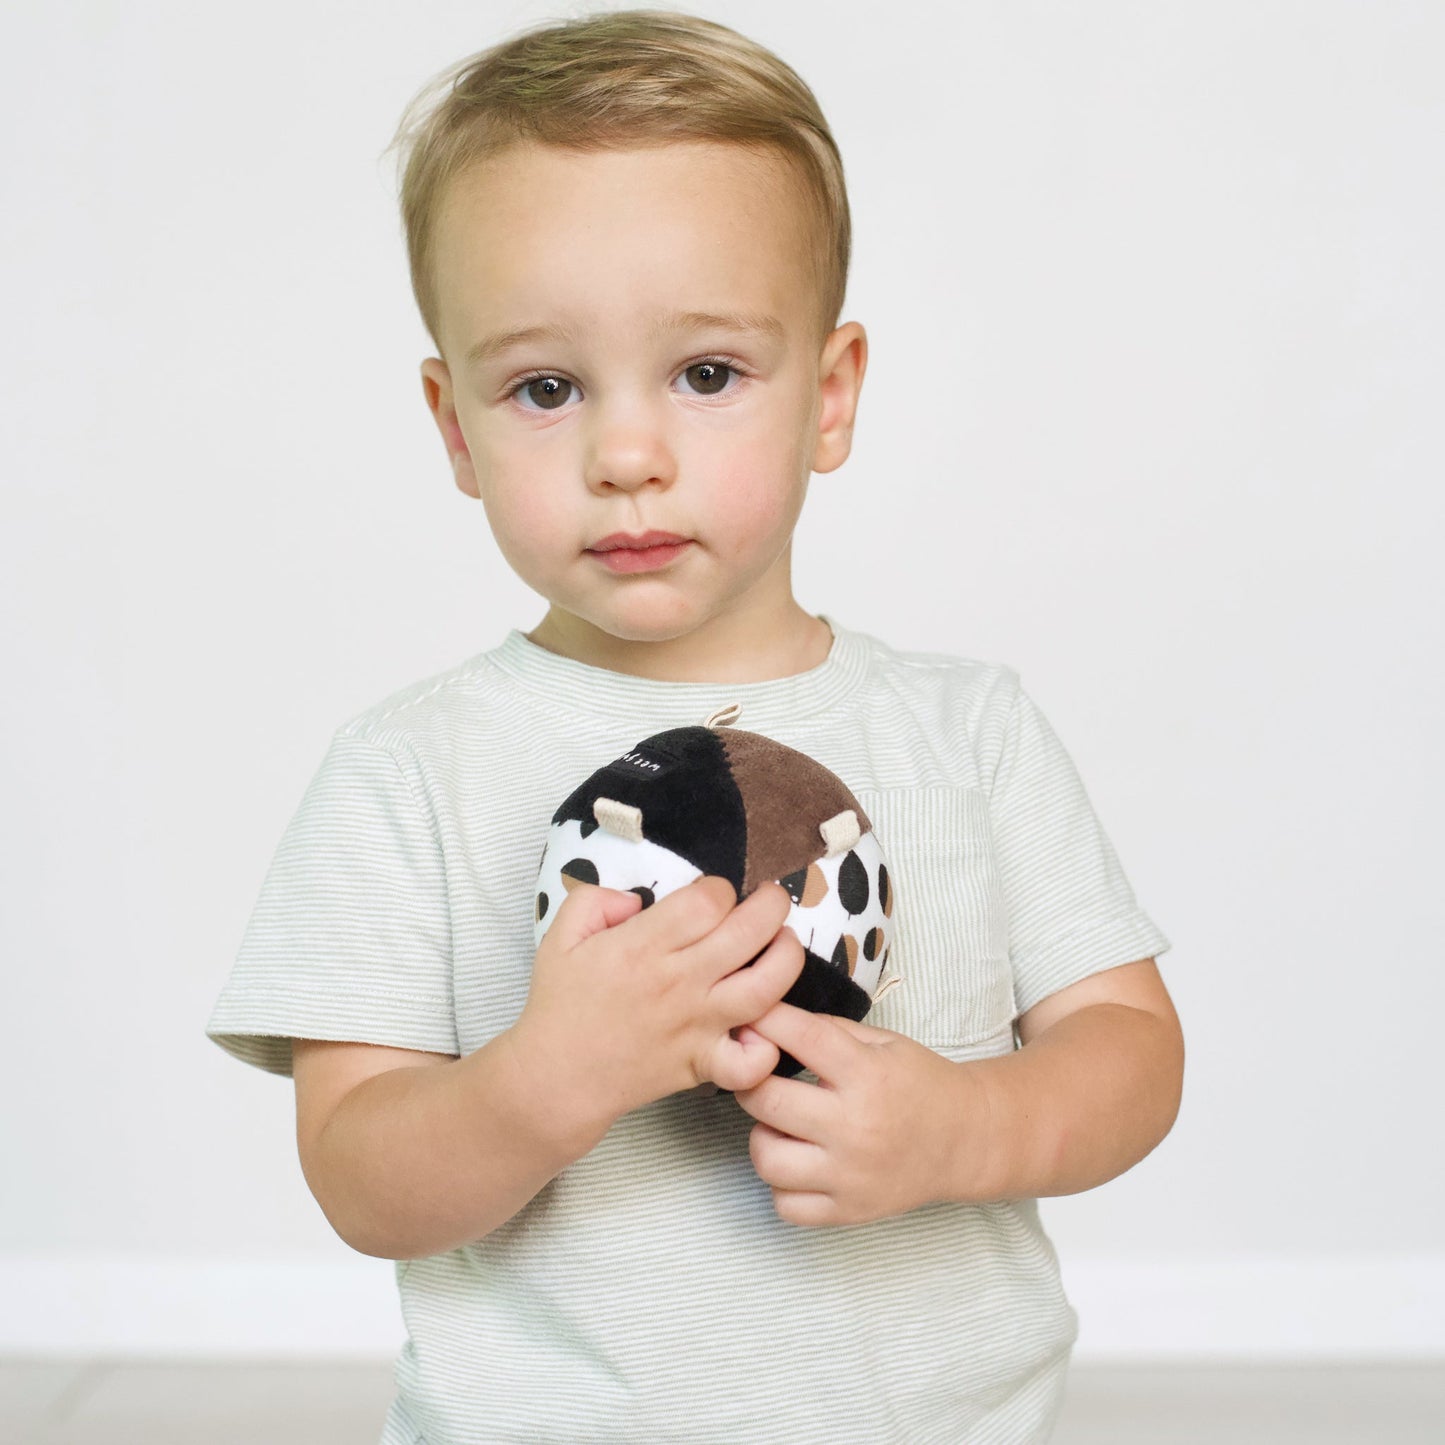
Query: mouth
x=620 y=541
x=645 y=553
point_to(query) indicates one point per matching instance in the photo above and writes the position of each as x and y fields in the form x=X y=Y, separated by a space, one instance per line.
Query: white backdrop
x=1154 y=300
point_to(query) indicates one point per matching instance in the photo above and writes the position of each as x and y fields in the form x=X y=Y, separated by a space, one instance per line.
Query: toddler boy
x=629 y=241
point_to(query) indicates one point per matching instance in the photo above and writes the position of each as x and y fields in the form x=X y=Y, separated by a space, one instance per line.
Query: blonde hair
x=607 y=81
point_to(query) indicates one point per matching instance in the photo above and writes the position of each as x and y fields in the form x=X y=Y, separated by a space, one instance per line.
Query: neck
x=732 y=648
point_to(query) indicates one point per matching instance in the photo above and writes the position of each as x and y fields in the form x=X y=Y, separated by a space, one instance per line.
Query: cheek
x=760 y=492
x=521 y=517
x=515 y=490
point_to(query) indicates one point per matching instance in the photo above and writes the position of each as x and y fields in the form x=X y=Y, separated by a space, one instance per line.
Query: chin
x=628 y=631
x=646 y=623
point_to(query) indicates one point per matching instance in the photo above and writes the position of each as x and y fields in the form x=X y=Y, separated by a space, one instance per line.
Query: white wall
x=1154 y=300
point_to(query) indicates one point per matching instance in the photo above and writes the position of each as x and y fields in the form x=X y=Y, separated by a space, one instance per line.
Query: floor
x=132 y=1402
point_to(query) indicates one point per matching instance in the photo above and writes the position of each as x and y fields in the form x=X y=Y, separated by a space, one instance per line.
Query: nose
x=628 y=447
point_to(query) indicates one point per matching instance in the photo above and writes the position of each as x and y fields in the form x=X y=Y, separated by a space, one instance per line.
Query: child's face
x=624 y=426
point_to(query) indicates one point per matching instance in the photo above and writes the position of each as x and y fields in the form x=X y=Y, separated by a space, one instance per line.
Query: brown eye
x=546 y=391
x=711 y=375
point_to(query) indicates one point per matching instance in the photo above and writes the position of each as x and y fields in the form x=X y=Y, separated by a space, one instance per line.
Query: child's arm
x=1094 y=1088
x=411 y=1154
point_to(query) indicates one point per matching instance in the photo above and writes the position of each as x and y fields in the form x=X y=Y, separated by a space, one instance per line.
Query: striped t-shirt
x=649 y=1293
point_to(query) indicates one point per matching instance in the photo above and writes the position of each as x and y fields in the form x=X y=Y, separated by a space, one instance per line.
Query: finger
x=743 y=1062
x=751 y=990
x=815 y=1040
x=865 y=1033
x=743 y=933
x=687 y=914
x=588 y=909
x=791 y=1106
x=807 y=1209
x=786 y=1163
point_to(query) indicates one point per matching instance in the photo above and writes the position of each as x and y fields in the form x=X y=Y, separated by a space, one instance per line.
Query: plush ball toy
x=715 y=799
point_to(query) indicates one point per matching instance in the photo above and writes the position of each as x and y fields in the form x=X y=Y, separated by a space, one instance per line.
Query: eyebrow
x=755 y=322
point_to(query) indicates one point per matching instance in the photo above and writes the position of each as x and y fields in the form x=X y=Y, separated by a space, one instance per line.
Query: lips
x=619 y=540
x=626 y=552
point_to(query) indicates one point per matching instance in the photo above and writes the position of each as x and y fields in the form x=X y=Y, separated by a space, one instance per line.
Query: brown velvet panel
x=786 y=797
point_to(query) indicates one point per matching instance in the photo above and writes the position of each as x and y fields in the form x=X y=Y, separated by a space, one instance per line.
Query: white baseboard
x=139 y=1306
x=1361 y=1307
x=1170 y=1309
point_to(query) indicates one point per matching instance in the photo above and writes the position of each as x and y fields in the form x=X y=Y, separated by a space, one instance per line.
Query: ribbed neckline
x=579 y=687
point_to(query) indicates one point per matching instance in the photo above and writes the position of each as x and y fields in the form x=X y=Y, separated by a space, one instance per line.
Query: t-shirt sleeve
x=1070 y=909
x=350 y=938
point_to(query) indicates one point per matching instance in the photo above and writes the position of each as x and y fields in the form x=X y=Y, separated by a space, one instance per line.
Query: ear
x=436 y=385
x=840 y=380
x=619 y=818
x=840 y=832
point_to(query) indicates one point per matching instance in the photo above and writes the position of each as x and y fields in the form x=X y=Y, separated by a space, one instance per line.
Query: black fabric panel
x=690 y=804
x=821 y=989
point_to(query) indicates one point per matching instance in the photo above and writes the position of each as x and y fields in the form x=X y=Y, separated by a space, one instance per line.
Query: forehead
x=538 y=234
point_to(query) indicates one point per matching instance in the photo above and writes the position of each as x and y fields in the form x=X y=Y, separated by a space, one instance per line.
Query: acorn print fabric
x=715 y=799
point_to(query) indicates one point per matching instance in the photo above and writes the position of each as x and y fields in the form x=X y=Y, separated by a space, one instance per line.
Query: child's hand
x=891 y=1126
x=629 y=1005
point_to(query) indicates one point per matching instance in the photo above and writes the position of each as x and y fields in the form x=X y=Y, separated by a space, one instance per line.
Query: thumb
x=588 y=909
